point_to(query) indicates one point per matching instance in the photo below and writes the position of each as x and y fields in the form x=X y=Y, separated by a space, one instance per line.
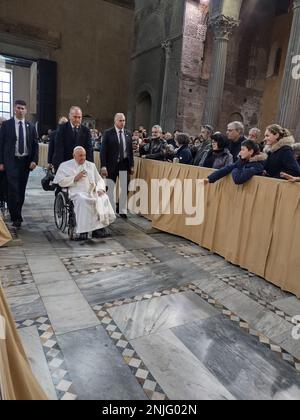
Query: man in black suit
x=19 y=152
x=71 y=135
x=117 y=154
x=62 y=120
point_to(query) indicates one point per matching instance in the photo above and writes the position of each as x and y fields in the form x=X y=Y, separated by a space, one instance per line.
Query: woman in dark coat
x=296 y=150
x=250 y=163
x=281 y=157
x=218 y=156
x=183 y=154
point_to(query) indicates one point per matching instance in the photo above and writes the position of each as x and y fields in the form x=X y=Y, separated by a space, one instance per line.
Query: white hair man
x=156 y=149
x=236 y=136
x=117 y=155
x=87 y=190
x=255 y=135
x=71 y=135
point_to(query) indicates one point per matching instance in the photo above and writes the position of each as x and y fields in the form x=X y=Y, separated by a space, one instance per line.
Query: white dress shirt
x=124 y=140
x=25 y=137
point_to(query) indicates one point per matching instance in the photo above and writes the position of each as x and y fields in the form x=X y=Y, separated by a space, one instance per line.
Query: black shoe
x=123 y=216
x=101 y=233
x=17 y=224
x=82 y=237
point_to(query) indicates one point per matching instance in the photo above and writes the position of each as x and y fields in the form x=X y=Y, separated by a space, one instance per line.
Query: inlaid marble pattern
x=53 y=355
x=16 y=275
x=180 y=322
x=139 y=348
x=92 y=264
x=249 y=284
x=160 y=314
x=25 y=301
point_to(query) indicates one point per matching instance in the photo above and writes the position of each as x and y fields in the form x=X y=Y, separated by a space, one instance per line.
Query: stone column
x=167 y=46
x=289 y=101
x=223 y=27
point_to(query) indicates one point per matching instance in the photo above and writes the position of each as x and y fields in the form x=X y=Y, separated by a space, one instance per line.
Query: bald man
x=71 y=135
x=117 y=153
x=87 y=190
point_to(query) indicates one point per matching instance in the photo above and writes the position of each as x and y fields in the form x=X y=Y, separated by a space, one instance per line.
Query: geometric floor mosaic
x=148 y=382
x=231 y=281
x=55 y=359
x=25 y=275
x=93 y=264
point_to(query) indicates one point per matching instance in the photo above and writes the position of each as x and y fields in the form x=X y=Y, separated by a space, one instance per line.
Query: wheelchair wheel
x=61 y=212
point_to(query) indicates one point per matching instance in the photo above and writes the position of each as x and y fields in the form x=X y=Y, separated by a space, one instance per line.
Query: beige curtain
x=5 y=236
x=255 y=226
x=16 y=378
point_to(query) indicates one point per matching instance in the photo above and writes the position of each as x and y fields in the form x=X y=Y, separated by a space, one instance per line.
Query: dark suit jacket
x=8 y=139
x=64 y=144
x=110 y=150
x=51 y=147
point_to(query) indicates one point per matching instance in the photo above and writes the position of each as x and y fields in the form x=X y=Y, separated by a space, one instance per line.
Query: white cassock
x=92 y=212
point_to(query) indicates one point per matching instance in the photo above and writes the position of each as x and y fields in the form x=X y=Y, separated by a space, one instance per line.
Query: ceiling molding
x=28 y=35
x=128 y=4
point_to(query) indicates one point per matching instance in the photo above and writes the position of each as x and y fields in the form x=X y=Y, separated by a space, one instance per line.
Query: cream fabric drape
x=16 y=378
x=255 y=226
x=5 y=235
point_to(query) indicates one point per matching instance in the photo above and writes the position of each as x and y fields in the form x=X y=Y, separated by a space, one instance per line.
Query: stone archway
x=143 y=110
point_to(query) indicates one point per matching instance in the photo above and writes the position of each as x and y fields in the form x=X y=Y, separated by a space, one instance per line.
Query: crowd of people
x=276 y=150
x=276 y=155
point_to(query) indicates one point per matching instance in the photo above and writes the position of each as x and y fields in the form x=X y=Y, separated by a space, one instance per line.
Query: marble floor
x=144 y=315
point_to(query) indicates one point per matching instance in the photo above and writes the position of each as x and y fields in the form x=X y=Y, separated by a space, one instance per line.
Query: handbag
x=47 y=181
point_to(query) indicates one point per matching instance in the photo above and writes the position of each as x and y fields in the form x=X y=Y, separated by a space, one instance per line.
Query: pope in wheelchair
x=87 y=192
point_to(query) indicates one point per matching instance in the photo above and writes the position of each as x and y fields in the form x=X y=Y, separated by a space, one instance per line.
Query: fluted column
x=223 y=27
x=289 y=102
x=167 y=46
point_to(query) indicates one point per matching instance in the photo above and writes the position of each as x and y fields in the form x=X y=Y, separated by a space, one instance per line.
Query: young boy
x=251 y=162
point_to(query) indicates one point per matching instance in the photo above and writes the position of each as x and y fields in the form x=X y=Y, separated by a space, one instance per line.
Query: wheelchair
x=64 y=214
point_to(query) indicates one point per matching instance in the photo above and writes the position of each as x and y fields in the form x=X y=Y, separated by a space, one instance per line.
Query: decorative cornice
x=223 y=26
x=30 y=34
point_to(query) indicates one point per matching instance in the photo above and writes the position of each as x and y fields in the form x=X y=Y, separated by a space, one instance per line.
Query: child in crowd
x=251 y=162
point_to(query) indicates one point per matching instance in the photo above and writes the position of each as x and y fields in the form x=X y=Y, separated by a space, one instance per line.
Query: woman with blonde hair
x=281 y=157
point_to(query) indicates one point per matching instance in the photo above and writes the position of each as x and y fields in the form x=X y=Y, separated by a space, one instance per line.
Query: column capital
x=223 y=26
x=167 y=46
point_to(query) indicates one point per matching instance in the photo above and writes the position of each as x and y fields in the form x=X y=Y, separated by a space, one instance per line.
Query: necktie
x=122 y=156
x=76 y=132
x=21 y=139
